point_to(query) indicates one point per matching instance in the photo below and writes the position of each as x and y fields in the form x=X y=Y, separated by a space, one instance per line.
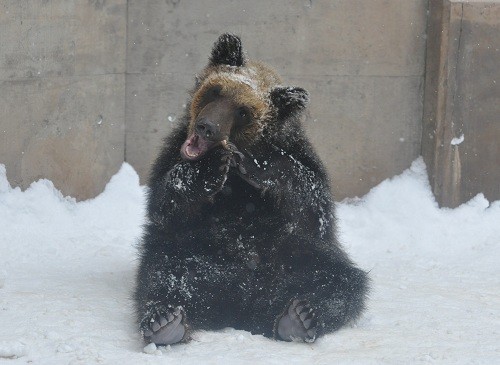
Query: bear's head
x=238 y=101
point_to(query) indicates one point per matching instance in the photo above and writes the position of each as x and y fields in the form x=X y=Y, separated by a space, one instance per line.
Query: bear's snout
x=207 y=129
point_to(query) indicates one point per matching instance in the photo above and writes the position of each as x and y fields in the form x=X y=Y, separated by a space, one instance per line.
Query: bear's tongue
x=194 y=147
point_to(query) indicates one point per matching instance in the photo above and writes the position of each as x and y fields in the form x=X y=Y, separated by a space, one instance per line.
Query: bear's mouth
x=195 y=147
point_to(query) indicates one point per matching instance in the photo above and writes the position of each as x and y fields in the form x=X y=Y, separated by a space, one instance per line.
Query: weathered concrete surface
x=62 y=92
x=73 y=73
x=67 y=129
x=154 y=104
x=362 y=61
x=365 y=128
x=61 y=38
x=462 y=101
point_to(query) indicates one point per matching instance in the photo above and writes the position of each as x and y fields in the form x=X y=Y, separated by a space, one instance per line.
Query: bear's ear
x=227 y=51
x=289 y=101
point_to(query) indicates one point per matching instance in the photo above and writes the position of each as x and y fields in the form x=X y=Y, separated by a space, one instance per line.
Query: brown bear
x=241 y=225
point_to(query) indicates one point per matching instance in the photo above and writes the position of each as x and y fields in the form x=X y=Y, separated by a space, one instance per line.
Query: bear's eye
x=210 y=95
x=243 y=116
x=242 y=113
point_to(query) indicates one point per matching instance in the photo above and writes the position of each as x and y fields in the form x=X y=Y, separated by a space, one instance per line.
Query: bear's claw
x=297 y=323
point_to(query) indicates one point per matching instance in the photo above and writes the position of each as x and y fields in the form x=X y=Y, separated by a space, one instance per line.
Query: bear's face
x=236 y=100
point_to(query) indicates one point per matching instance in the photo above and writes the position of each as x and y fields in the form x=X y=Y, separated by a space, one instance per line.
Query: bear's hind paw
x=297 y=323
x=166 y=327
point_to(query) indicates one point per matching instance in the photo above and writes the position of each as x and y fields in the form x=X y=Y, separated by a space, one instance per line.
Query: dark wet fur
x=233 y=253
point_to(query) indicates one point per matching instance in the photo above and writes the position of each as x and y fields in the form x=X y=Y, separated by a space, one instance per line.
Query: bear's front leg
x=199 y=179
x=186 y=187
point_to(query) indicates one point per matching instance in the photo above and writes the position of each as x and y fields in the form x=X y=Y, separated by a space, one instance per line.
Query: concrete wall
x=362 y=62
x=85 y=85
x=62 y=92
x=462 y=101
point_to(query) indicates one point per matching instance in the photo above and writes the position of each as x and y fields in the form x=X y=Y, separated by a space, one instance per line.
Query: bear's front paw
x=214 y=169
x=236 y=156
x=297 y=323
x=166 y=327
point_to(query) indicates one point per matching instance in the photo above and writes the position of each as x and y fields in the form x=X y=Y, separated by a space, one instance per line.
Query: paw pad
x=298 y=322
x=166 y=327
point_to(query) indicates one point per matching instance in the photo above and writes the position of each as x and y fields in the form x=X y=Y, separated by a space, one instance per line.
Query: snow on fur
x=67 y=271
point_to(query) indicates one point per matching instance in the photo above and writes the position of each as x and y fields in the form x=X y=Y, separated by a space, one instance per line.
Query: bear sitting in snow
x=241 y=226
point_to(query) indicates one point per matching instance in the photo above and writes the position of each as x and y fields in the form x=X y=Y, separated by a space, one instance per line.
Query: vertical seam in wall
x=457 y=60
x=126 y=82
x=424 y=76
x=454 y=183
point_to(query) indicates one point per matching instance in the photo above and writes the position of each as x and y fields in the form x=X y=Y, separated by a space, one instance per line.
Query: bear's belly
x=230 y=229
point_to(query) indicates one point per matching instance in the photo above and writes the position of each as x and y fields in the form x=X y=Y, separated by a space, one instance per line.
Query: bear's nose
x=206 y=129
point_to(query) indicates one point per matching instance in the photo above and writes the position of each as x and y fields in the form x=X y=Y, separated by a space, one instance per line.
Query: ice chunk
x=151 y=349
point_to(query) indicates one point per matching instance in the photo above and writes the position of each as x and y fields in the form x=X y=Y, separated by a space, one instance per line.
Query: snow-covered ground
x=67 y=271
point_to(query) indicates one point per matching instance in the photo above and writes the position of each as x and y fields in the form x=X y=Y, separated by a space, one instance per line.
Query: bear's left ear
x=227 y=51
x=289 y=101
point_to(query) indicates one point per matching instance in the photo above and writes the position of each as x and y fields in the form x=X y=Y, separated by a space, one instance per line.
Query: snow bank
x=67 y=271
x=401 y=215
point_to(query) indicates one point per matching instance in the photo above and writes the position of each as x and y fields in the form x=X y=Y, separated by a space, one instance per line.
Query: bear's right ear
x=227 y=51
x=289 y=101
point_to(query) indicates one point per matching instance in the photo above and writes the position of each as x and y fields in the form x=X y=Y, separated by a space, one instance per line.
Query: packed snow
x=456 y=141
x=67 y=271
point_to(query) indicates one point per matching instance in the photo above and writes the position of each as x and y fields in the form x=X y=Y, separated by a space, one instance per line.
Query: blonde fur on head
x=247 y=86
